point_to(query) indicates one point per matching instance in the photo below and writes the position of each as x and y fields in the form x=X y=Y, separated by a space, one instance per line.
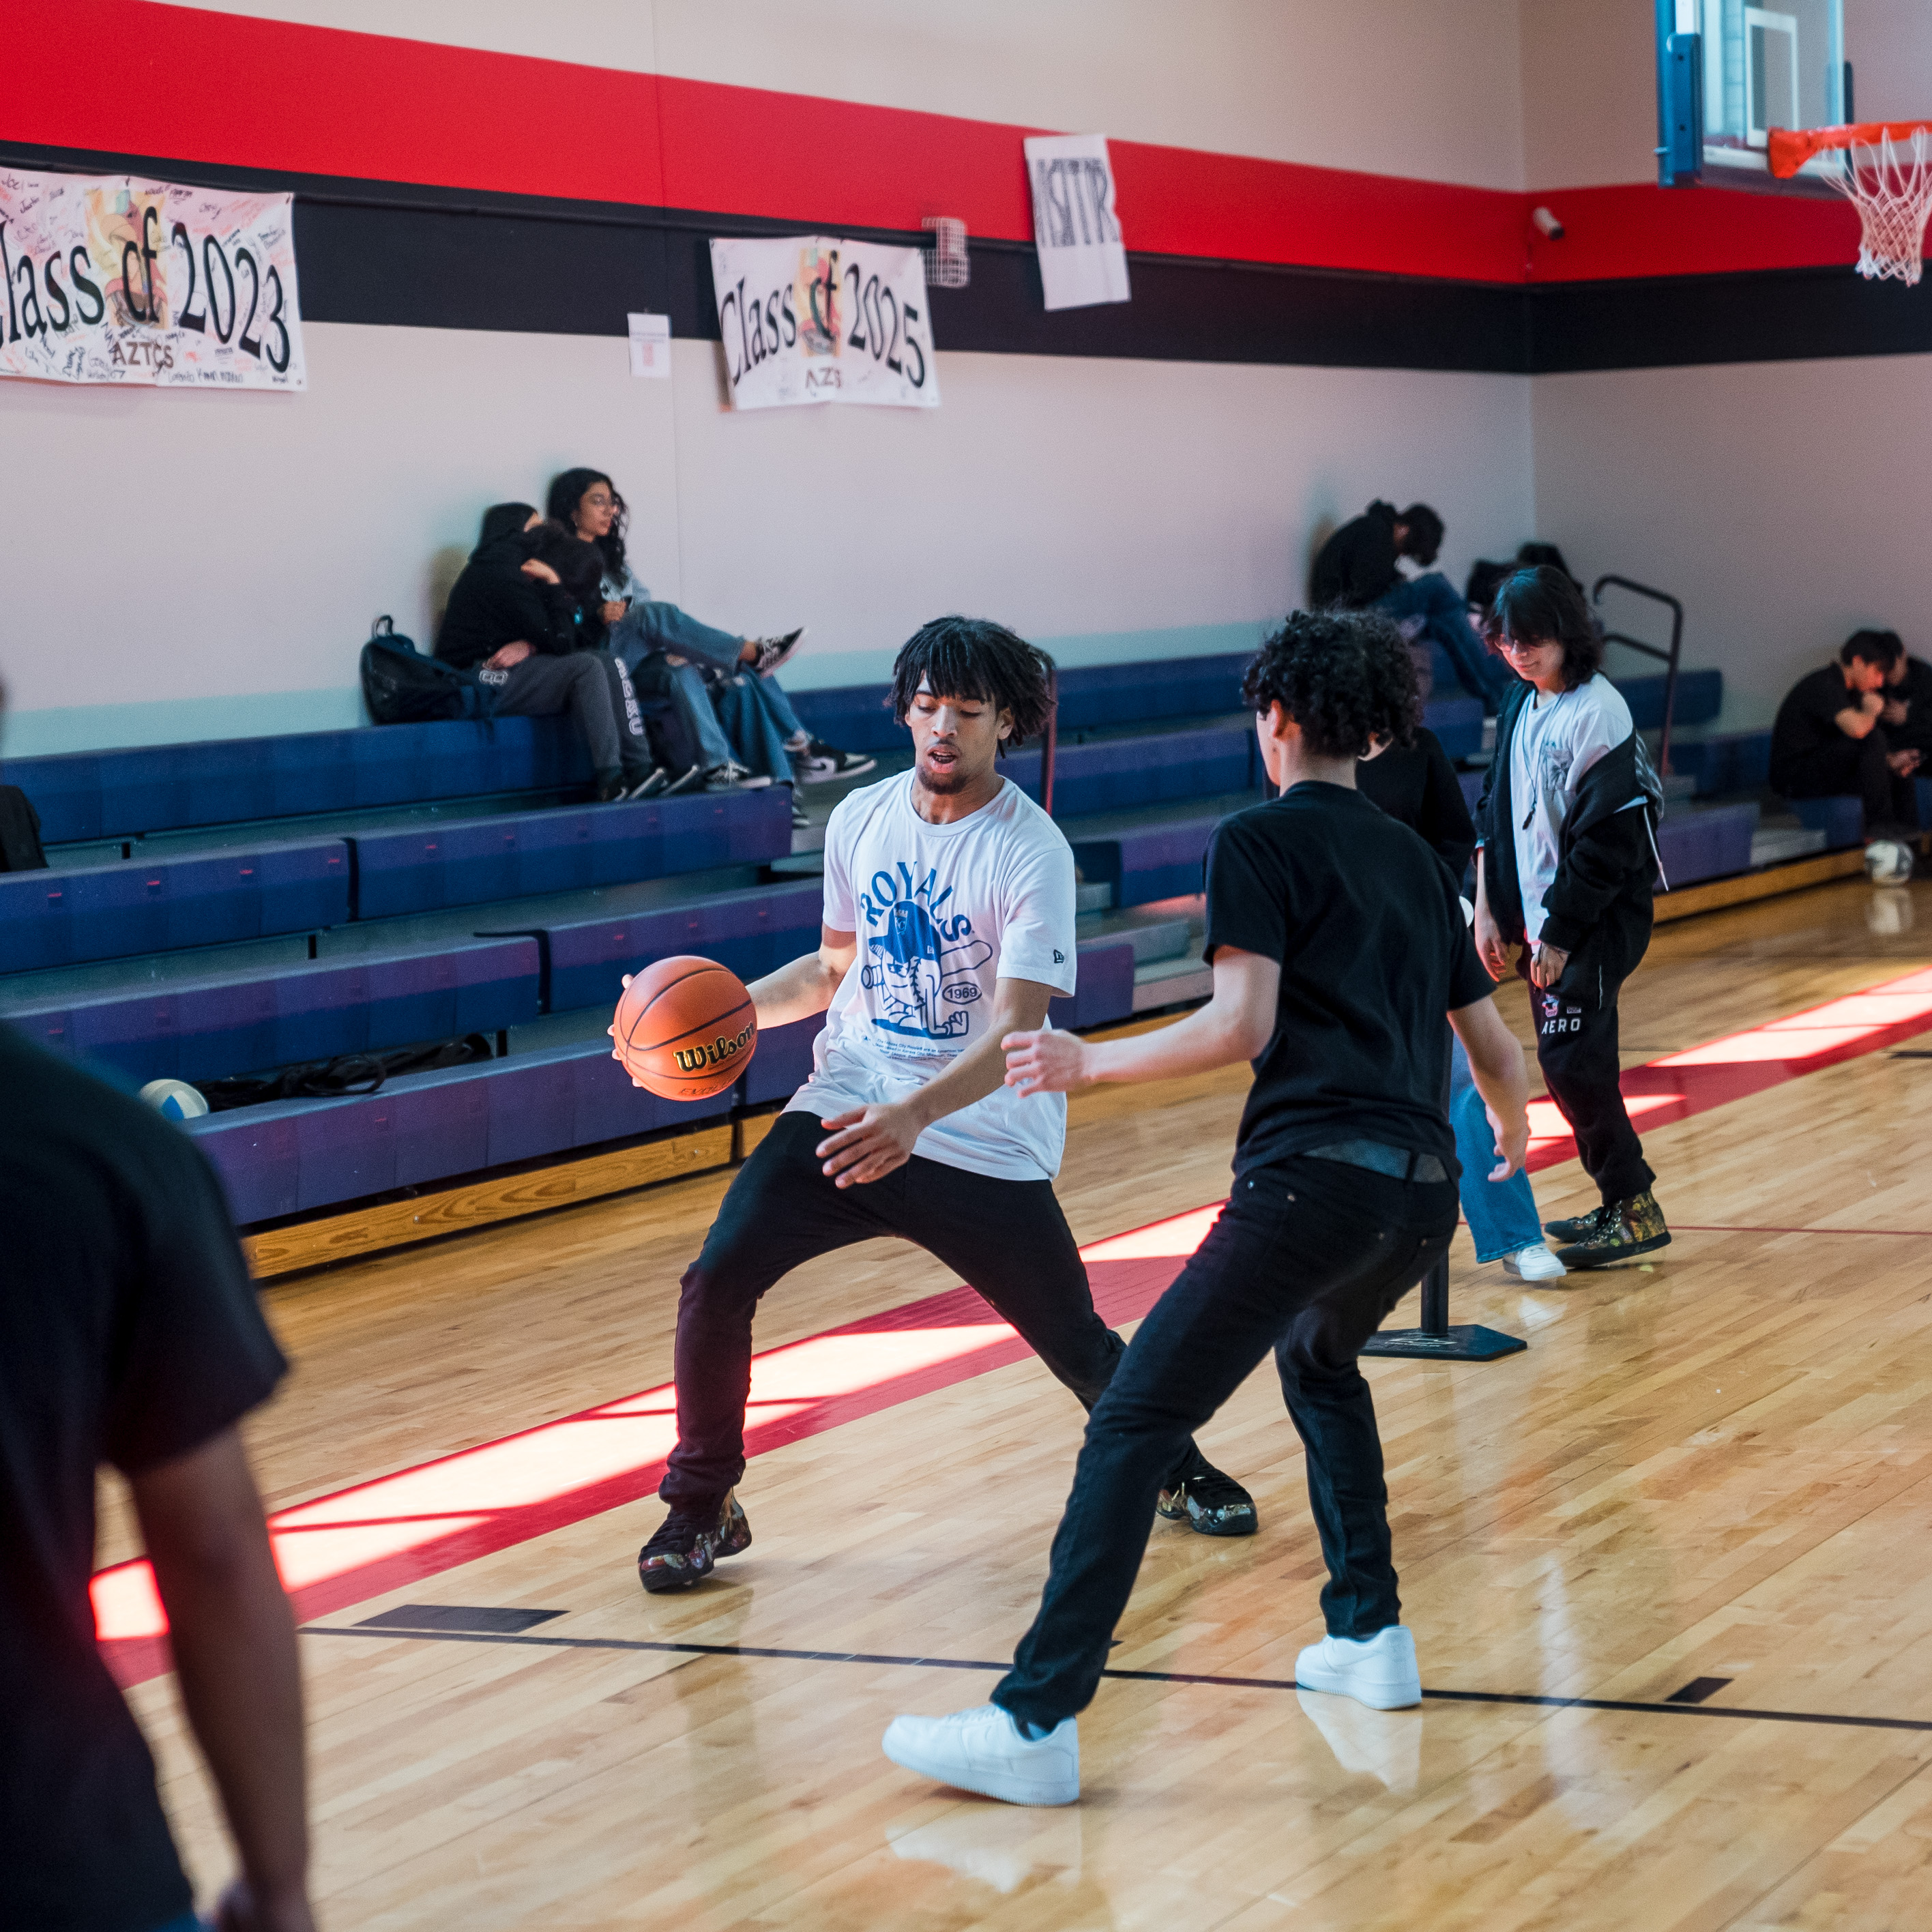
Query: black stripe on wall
x=405 y=255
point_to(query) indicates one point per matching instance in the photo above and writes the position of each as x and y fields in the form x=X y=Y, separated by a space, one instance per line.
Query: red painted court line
x=378 y=1536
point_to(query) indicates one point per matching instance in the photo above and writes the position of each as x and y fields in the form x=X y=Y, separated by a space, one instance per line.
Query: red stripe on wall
x=128 y=76
x=124 y=76
x=1636 y=229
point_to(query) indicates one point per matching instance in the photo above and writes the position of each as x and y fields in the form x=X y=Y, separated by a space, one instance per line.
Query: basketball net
x=1888 y=181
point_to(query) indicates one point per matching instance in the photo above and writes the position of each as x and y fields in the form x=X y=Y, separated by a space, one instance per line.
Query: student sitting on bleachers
x=20 y=849
x=513 y=619
x=723 y=686
x=1907 y=715
x=1830 y=737
x=1356 y=570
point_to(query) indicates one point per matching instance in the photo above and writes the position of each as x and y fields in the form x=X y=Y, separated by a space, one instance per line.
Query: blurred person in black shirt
x=1831 y=737
x=129 y=1334
x=513 y=618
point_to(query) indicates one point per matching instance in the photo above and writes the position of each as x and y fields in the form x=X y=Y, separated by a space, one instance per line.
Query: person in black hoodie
x=1567 y=852
x=512 y=618
x=1355 y=570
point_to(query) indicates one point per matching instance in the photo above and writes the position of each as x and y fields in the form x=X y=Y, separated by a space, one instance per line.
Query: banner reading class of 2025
x=113 y=279
x=811 y=318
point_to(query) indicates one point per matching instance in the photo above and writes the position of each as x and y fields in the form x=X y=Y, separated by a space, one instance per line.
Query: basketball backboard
x=1729 y=72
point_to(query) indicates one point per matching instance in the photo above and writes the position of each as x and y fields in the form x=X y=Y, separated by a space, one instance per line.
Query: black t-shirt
x=1808 y=719
x=1417 y=786
x=1916 y=692
x=129 y=1334
x=1374 y=954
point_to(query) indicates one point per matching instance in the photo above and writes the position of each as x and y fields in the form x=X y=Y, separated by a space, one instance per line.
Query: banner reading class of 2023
x=810 y=319
x=112 y=279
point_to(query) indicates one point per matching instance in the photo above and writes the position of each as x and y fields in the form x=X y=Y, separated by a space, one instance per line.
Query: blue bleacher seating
x=1708 y=844
x=1114 y=774
x=751 y=932
x=1841 y=820
x=293 y=1156
x=425 y=867
x=129 y=793
x=1104 y=989
x=156 y=905
x=1147 y=862
x=209 y=1028
x=783 y=1062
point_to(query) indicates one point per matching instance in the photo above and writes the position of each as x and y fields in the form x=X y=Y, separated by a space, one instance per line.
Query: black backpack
x=401 y=686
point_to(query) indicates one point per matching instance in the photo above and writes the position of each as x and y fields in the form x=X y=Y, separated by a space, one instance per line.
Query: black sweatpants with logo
x=1007 y=1239
x=1576 y=1048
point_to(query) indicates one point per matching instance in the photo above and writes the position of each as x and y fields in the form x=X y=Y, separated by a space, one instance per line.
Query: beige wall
x=226 y=553
x=1782 y=501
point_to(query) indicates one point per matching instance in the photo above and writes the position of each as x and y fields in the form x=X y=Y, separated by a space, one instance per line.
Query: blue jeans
x=1445 y=621
x=1502 y=1214
x=646 y=627
x=751 y=717
x=648 y=630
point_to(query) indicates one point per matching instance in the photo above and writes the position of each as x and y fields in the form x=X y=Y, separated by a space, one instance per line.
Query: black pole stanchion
x=1435 y=1340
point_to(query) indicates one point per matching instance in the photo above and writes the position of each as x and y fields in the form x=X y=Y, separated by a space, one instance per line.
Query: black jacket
x=20 y=832
x=1599 y=908
x=494 y=604
x=1419 y=787
x=1356 y=564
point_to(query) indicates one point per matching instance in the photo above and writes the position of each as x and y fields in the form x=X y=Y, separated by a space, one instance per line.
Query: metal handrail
x=1668 y=658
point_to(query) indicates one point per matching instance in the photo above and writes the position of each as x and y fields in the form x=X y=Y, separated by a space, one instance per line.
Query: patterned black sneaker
x=1578 y=1227
x=1212 y=1504
x=1621 y=1231
x=686 y=1546
x=819 y=763
x=772 y=652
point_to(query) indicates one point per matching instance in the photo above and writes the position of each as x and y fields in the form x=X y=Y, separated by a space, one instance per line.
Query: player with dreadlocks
x=948 y=925
x=1337 y=942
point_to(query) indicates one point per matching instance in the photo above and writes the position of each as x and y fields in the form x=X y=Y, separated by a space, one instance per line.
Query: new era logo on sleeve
x=1059 y=958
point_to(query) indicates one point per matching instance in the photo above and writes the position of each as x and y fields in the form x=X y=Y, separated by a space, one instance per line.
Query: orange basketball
x=685 y=1028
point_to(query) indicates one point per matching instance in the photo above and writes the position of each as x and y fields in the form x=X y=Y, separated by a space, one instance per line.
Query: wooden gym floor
x=1712 y=1476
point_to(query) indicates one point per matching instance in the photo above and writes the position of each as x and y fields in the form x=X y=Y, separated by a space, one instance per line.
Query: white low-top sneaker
x=1535 y=1263
x=982 y=1750
x=1378 y=1671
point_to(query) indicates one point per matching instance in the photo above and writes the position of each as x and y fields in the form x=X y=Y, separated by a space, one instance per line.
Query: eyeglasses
x=598 y=501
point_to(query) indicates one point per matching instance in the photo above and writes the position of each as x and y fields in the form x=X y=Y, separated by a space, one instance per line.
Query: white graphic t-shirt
x=941 y=912
x=1557 y=740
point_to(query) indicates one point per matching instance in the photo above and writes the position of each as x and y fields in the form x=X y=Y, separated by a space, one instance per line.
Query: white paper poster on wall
x=811 y=318
x=1082 y=258
x=113 y=279
x=650 y=345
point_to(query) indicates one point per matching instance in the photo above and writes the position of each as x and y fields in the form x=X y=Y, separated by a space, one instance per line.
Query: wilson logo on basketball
x=694 y=1059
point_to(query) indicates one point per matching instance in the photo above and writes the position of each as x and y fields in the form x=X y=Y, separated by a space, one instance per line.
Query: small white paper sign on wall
x=1082 y=258
x=811 y=318
x=650 y=345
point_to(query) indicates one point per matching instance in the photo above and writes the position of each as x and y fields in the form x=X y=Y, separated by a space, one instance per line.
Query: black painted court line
x=1666 y=1709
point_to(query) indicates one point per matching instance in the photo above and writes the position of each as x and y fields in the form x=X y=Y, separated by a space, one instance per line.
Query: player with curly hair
x=1338 y=943
x=948 y=924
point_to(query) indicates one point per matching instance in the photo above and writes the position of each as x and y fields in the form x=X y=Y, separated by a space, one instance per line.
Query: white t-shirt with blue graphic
x=941 y=912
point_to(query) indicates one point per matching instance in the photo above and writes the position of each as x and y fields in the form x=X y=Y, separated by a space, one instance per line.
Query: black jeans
x=1576 y=1048
x=1308 y=1258
x=1008 y=1239
x=1853 y=765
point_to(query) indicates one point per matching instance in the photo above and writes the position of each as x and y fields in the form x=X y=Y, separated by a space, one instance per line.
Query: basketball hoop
x=1888 y=177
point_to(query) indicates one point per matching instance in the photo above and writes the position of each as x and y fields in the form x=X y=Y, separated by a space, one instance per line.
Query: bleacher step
x=1169 y=981
x=1781 y=844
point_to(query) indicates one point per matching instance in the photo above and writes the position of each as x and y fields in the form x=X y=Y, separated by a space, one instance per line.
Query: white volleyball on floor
x=175 y=1099
x=1887 y=862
